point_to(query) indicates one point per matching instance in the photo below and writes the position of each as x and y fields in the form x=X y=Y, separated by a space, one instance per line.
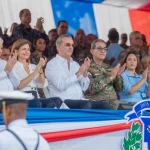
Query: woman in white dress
x=31 y=76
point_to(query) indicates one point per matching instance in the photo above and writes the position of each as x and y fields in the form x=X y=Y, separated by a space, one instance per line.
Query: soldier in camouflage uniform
x=136 y=44
x=105 y=80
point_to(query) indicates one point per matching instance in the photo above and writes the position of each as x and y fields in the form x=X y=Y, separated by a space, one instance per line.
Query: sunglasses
x=101 y=48
x=69 y=45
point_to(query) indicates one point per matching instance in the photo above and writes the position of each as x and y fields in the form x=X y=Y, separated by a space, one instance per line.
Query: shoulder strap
x=15 y=135
x=38 y=141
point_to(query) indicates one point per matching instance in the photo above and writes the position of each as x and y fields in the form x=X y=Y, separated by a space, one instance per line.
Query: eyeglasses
x=69 y=45
x=101 y=48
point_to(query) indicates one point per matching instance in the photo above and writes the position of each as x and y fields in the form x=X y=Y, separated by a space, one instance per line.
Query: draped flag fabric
x=79 y=129
x=94 y=16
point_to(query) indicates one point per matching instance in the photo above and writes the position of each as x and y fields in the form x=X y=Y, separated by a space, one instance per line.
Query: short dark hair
x=113 y=35
x=7 y=42
x=58 y=24
x=93 y=45
x=52 y=30
x=22 y=12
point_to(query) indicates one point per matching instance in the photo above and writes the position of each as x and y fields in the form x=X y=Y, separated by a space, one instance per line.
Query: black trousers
x=100 y=104
x=78 y=104
x=86 y=104
x=54 y=102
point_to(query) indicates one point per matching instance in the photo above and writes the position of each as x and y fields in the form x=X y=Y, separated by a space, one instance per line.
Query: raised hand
x=40 y=65
x=11 y=62
x=114 y=72
x=121 y=70
x=39 y=24
x=87 y=62
x=43 y=61
x=81 y=70
x=145 y=74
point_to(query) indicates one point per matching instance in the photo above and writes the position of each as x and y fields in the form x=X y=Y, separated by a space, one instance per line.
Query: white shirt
x=8 y=81
x=25 y=133
x=22 y=74
x=63 y=82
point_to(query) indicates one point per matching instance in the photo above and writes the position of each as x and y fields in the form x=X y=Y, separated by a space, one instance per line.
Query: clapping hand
x=114 y=72
x=145 y=74
x=87 y=62
x=121 y=70
x=40 y=65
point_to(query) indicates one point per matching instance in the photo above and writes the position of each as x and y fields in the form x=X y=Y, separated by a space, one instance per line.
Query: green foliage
x=133 y=140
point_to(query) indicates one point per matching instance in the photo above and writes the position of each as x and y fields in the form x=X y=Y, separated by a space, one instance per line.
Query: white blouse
x=22 y=74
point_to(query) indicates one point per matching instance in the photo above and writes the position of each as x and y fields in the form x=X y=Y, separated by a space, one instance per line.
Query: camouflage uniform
x=101 y=87
x=140 y=52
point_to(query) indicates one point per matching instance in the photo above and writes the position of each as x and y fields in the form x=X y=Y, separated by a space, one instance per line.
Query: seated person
x=105 y=80
x=39 y=48
x=8 y=78
x=6 y=48
x=31 y=76
x=66 y=79
x=136 y=87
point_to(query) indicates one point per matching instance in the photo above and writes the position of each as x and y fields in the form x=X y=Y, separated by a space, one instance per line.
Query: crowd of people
x=63 y=71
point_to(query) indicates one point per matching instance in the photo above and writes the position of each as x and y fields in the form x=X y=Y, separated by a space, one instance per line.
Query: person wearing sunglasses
x=136 y=44
x=66 y=78
x=105 y=80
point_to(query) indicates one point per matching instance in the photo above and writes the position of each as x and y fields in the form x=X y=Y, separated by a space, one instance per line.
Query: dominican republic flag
x=68 y=129
x=94 y=16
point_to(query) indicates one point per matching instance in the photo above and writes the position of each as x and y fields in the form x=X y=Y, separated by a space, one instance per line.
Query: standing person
x=18 y=135
x=136 y=44
x=124 y=39
x=24 y=30
x=114 y=49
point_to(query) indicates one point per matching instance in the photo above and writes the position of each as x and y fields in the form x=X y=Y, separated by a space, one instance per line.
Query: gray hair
x=93 y=45
x=133 y=33
x=1 y=40
x=59 y=40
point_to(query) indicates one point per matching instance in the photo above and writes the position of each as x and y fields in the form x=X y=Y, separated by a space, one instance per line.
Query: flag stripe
x=65 y=135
